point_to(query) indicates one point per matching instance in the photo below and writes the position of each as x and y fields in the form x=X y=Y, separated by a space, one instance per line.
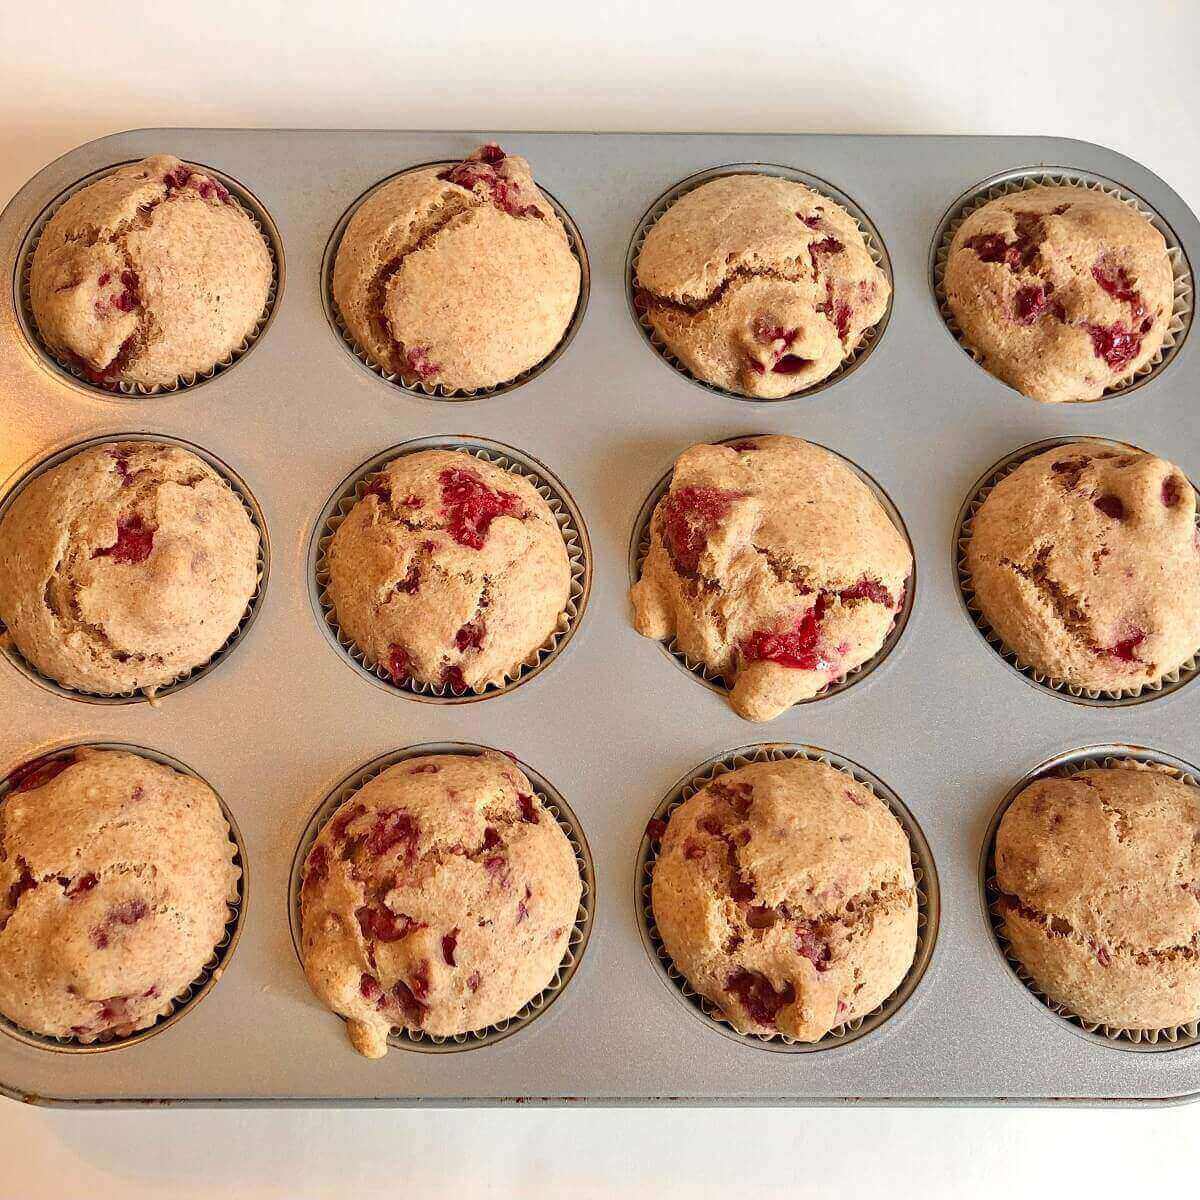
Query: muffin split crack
x=758 y=285
x=151 y=275
x=460 y=277
x=774 y=565
x=439 y=898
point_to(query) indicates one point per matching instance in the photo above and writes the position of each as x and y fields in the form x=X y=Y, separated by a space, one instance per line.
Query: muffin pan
x=612 y=721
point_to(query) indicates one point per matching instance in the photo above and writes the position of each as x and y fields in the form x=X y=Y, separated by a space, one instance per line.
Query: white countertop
x=1101 y=70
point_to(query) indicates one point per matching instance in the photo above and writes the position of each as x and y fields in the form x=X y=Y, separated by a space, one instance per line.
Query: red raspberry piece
x=798 y=647
x=867 y=589
x=690 y=515
x=449 y=942
x=470 y=636
x=1111 y=506
x=316 y=868
x=528 y=810
x=1116 y=344
x=383 y=925
x=392 y=829
x=1172 y=491
x=399 y=663
x=758 y=996
x=135 y=540
x=812 y=946
x=471 y=506
x=37 y=773
x=81 y=885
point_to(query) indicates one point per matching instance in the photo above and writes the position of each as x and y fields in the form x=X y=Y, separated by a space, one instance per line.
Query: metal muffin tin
x=613 y=722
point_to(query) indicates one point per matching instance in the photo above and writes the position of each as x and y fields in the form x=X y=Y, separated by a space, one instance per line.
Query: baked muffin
x=440 y=897
x=784 y=893
x=116 y=874
x=152 y=274
x=1100 y=882
x=773 y=564
x=458 y=276
x=758 y=285
x=1085 y=563
x=1062 y=292
x=125 y=567
x=449 y=570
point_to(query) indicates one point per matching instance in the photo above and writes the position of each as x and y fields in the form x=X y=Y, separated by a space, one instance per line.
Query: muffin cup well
x=416 y=387
x=1172 y=681
x=871 y=237
x=1009 y=182
x=176 y=1007
x=924 y=873
x=241 y=489
x=69 y=371
x=1065 y=765
x=406 y=1039
x=639 y=547
x=549 y=487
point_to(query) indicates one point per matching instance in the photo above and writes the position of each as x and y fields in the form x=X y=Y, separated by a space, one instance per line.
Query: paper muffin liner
x=1029 y=177
x=418 y=387
x=924 y=874
x=1170 y=682
x=871 y=237
x=246 y=201
x=549 y=487
x=178 y=1006
x=150 y=695
x=1136 y=758
x=639 y=547
x=488 y=1035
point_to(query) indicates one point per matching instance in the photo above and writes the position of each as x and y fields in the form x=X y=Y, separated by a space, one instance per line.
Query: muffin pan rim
x=120 y=392
x=346 y=340
x=639 y=547
x=222 y=955
x=1059 y=765
x=577 y=944
x=876 y=247
x=36 y=466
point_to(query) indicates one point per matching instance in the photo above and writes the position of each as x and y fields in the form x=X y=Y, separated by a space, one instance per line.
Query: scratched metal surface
x=613 y=723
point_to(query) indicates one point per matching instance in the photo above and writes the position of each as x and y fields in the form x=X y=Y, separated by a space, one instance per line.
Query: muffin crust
x=1099 y=876
x=1063 y=291
x=784 y=893
x=1084 y=560
x=758 y=285
x=773 y=564
x=461 y=277
x=116 y=874
x=125 y=567
x=149 y=275
x=440 y=897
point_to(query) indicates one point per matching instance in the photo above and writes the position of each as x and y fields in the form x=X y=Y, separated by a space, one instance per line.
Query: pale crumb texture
x=759 y=285
x=116 y=874
x=150 y=275
x=461 y=277
x=449 y=570
x=1085 y=562
x=125 y=567
x=784 y=893
x=439 y=898
x=774 y=565
x=1062 y=291
x=1100 y=882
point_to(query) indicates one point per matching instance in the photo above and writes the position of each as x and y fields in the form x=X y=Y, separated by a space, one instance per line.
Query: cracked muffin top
x=440 y=897
x=1062 y=291
x=758 y=285
x=784 y=893
x=1085 y=563
x=116 y=874
x=152 y=274
x=449 y=570
x=125 y=567
x=773 y=564
x=1099 y=875
x=460 y=276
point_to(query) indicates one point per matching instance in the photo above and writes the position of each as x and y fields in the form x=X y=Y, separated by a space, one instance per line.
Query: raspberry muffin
x=784 y=893
x=1062 y=292
x=449 y=570
x=125 y=567
x=1099 y=877
x=758 y=285
x=116 y=875
x=1085 y=563
x=771 y=563
x=150 y=275
x=458 y=276
x=439 y=898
